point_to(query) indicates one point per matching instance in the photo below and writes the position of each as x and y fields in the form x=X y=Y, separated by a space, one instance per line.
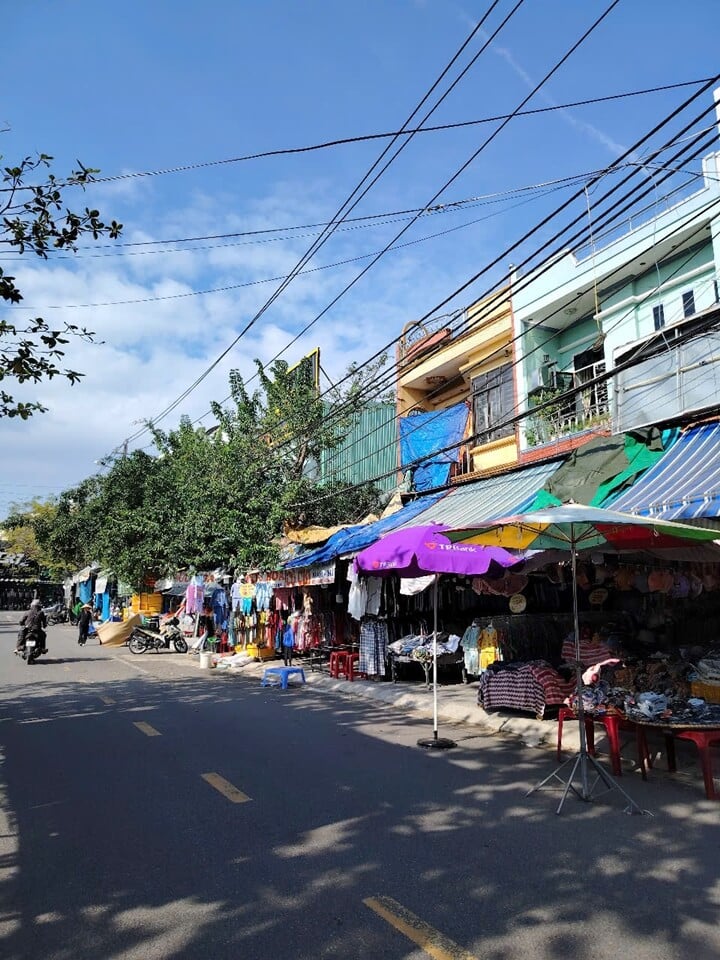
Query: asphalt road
x=150 y=810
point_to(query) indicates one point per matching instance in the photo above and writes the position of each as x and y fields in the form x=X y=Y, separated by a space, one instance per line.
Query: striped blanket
x=529 y=686
x=590 y=652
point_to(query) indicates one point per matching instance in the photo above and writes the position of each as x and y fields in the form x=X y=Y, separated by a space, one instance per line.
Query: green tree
x=20 y=533
x=34 y=221
x=213 y=498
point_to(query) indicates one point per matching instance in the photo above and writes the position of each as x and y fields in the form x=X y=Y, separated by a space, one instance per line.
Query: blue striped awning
x=684 y=484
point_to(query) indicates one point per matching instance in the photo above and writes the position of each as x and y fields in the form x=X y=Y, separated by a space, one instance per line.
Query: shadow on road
x=139 y=858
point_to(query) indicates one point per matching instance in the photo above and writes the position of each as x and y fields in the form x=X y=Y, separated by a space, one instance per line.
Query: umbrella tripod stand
x=582 y=765
x=582 y=762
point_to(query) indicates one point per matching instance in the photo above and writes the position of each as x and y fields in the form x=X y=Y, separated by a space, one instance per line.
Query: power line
x=454 y=177
x=559 y=234
x=366 y=138
x=613 y=168
x=541 y=346
x=562 y=398
x=355 y=197
x=301 y=273
x=489 y=307
x=358 y=223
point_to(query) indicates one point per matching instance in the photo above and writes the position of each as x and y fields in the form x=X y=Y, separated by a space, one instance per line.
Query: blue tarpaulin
x=422 y=435
x=85 y=591
x=355 y=539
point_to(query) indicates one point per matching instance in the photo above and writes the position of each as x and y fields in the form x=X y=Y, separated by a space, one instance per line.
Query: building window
x=688 y=303
x=659 y=317
x=493 y=404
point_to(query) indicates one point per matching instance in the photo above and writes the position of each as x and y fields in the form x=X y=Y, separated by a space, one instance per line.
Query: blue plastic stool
x=283 y=673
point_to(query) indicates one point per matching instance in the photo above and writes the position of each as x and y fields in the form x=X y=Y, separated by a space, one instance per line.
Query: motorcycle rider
x=84 y=621
x=32 y=627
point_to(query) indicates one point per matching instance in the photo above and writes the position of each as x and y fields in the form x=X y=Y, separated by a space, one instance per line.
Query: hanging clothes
x=357 y=597
x=236 y=596
x=220 y=607
x=373 y=647
x=263 y=593
x=471 y=652
x=195 y=595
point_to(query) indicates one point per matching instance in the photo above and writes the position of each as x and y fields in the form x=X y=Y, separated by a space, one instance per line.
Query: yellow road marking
x=108 y=701
x=430 y=940
x=225 y=788
x=147 y=729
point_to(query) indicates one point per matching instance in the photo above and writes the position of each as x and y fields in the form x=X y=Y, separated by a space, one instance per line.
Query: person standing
x=84 y=621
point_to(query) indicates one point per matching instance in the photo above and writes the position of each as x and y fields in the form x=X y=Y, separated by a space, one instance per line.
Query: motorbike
x=33 y=646
x=143 y=639
x=57 y=613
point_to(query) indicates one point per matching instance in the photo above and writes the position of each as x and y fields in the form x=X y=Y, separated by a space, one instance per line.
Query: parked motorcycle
x=57 y=613
x=143 y=639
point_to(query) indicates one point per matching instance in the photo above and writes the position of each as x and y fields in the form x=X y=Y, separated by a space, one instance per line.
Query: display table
x=703 y=735
x=444 y=660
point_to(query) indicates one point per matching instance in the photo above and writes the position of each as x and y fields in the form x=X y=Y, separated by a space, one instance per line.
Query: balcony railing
x=588 y=407
x=411 y=341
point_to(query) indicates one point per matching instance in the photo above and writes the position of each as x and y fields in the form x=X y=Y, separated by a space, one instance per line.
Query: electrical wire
x=358 y=223
x=355 y=197
x=560 y=399
x=491 y=305
x=455 y=176
x=671 y=116
x=541 y=346
x=343 y=141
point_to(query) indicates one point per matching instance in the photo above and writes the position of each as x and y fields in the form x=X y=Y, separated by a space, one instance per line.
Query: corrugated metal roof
x=684 y=484
x=486 y=499
x=368 y=451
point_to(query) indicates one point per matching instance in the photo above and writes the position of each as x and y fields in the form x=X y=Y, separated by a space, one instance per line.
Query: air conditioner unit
x=561 y=381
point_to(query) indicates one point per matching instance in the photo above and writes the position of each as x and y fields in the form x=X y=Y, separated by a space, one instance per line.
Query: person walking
x=84 y=621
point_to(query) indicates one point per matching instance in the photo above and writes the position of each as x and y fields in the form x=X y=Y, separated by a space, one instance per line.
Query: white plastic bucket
x=206 y=661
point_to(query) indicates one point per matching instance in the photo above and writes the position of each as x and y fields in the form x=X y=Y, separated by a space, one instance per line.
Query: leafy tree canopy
x=33 y=222
x=219 y=497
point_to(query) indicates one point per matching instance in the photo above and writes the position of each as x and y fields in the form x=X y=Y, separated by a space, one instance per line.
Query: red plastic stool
x=703 y=739
x=335 y=663
x=345 y=664
x=567 y=713
x=351 y=660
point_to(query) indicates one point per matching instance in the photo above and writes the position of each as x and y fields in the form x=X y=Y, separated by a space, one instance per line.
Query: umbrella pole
x=435 y=633
x=436 y=743
x=582 y=761
x=583 y=755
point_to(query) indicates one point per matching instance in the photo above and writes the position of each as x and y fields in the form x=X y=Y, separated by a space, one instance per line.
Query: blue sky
x=145 y=86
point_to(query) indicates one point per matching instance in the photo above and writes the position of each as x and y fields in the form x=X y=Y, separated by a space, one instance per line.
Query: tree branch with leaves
x=34 y=221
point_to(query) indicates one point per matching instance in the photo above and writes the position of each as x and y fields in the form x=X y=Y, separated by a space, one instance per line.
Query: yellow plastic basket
x=708 y=691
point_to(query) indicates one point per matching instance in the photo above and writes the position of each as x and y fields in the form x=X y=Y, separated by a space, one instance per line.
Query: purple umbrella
x=419 y=551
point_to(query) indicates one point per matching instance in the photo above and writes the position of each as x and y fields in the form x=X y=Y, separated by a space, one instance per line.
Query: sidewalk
x=457 y=704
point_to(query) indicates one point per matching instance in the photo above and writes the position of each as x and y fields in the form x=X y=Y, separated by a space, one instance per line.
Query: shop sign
x=319 y=575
